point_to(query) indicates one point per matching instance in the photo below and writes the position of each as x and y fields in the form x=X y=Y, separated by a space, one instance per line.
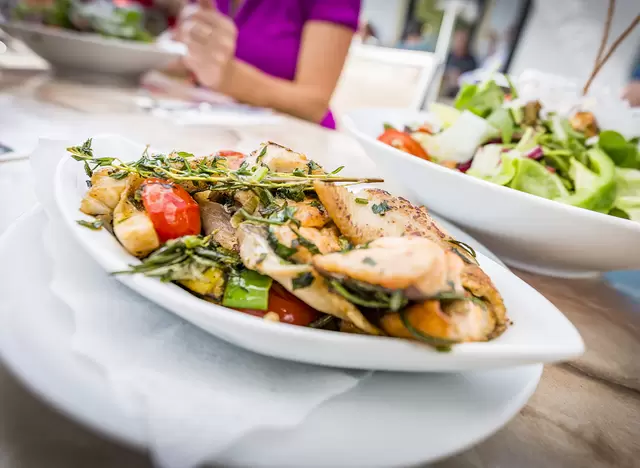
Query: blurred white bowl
x=71 y=52
x=525 y=231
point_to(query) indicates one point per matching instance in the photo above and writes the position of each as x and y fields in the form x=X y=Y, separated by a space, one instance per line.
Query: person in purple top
x=282 y=54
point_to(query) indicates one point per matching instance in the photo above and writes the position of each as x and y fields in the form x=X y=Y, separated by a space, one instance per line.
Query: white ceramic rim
x=87 y=37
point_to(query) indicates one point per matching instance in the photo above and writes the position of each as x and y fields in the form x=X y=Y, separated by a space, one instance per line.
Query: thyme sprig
x=186 y=258
x=211 y=171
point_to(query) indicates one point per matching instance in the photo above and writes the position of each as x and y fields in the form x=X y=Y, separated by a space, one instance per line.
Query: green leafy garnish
x=93 y=225
x=303 y=280
x=186 y=258
x=369 y=261
x=380 y=208
x=362 y=201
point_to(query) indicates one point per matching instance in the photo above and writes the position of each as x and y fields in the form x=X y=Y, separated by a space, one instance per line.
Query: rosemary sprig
x=466 y=247
x=185 y=258
x=182 y=167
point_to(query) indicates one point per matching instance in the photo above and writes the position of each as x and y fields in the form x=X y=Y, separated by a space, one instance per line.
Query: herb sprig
x=186 y=258
x=210 y=171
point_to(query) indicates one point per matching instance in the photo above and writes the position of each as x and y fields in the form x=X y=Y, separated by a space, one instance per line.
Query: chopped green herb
x=362 y=201
x=323 y=322
x=313 y=166
x=263 y=151
x=94 y=225
x=369 y=261
x=388 y=126
x=380 y=208
x=318 y=205
x=345 y=245
x=336 y=170
x=303 y=280
x=306 y=243
x=119 y=175
x=281 y=250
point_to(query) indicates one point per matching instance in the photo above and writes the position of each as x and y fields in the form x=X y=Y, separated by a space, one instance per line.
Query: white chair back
x=384 y=77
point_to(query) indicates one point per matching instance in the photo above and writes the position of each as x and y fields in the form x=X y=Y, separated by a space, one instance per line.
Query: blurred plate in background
x=88 y=54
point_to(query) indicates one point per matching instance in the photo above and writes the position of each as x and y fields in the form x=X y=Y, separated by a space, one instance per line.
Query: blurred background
x=413 y=51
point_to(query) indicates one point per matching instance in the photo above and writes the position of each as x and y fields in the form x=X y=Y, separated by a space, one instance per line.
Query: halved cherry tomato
x=289 y=308
x=234 y=158
x=403 y=142
x=171 y=209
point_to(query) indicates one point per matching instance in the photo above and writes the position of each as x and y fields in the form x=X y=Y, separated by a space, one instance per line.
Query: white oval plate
x=89 y=52
x=526 y=231
x=450 y=411
x=540 y=332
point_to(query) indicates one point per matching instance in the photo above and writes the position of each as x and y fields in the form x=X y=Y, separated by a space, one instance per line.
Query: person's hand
x=632 y=93
x=210 y=38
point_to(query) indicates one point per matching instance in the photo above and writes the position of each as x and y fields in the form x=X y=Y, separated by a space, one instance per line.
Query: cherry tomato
x=403 y=142
x=234 y=158
x=172 y=210
x=289 y=308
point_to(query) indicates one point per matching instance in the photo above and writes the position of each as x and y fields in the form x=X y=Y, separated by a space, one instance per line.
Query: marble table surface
x=583 y=413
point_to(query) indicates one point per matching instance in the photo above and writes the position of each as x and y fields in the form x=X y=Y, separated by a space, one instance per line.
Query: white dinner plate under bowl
x=526 y=231
x=85 y=54
x=424 y=416
x=540 y=333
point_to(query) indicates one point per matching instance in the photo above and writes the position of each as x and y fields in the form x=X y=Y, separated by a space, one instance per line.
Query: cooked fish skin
x=256 y=254
x=462 y=321
x=133 y=227
x=104 y=193
x=359 y=223
x=325 y=239
x=216 y=222
x=417 y=266
x=309 y=214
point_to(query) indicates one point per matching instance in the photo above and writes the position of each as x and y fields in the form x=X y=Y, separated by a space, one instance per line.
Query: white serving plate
x=526 y=231
x=450 y=412
x=540 y=332
x=72 y=53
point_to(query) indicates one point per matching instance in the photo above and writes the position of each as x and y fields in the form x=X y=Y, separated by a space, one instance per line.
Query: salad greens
x=97 y=16
x=491 y=134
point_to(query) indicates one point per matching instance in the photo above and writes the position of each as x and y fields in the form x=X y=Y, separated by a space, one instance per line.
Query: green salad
x=491 y=134
x=96 y=16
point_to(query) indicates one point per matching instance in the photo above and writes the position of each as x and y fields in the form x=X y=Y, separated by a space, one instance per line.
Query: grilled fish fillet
x=458 y=321
x=325 y=240
x=256 y=254
x=279 y=158
x=395 y=216
x=415 y=265
x=310 y=214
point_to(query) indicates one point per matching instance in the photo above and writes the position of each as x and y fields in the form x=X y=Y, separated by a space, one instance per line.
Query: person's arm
x=322 y=54
x=211 y=40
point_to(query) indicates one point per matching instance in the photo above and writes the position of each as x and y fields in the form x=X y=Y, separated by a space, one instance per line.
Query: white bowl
x=540 y=333
x=72 y=53
x=525 y=231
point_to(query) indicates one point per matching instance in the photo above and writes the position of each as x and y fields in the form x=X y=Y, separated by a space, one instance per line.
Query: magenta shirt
x=270 y=32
